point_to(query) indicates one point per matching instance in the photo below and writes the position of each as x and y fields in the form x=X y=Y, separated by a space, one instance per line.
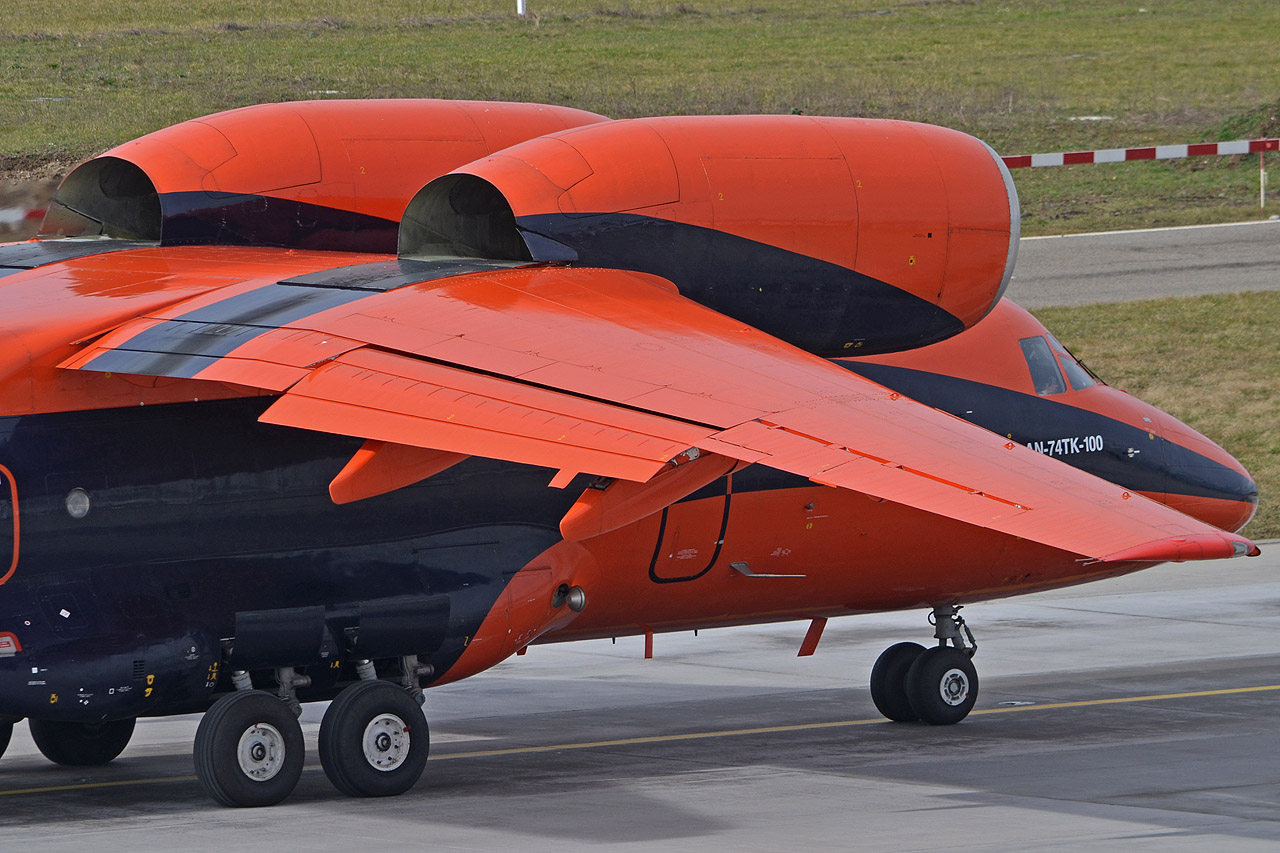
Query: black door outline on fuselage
x=727 y=495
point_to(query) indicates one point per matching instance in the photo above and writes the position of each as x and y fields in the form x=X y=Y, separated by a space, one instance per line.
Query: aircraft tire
x=80 y=744
x=6 y=732
x=889 y=681
x=248 y=750
x=942 y=686
x=374 y=740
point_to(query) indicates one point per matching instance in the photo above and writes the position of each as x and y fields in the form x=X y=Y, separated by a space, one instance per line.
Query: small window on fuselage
x=1077 y=374
x=1043 y=366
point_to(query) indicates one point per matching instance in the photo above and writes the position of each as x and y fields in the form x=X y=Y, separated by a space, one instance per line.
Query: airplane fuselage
x=192 y=515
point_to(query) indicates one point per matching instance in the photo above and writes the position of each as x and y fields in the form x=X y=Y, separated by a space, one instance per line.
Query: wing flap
x=397 y=399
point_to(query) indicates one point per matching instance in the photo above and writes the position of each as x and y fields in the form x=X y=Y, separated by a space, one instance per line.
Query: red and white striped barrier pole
x=1155 y=152
x=12 y=217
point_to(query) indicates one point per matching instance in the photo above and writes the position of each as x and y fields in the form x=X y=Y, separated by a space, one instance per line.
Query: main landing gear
x=80 y=744
x=373 y=739
x=937 y=685
x=73 y=744
x=248 y=749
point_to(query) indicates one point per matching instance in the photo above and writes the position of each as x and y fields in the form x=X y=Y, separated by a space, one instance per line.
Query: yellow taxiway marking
x=800 y=727
x=633 y=741
x=85 y=786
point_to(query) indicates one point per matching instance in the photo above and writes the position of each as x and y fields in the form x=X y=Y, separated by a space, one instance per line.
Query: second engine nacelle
x=838 y=235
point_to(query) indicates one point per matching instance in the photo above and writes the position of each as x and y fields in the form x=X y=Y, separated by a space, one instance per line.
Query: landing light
x=574 y=596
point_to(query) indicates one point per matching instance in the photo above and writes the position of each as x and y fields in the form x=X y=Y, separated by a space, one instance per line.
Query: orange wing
x=615 y=374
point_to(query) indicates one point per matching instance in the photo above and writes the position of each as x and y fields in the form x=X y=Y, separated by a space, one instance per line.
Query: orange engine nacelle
x=839 y=235
x=310 y=174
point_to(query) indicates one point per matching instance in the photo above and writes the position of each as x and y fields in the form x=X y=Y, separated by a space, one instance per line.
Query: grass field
x=76 y=79
x=1211 y=361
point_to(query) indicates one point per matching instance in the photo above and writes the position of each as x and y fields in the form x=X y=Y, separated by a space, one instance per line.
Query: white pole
x=1262 y=181
x=520 y=8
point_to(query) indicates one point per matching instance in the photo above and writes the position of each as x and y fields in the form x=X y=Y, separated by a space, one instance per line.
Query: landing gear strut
x=937 y=685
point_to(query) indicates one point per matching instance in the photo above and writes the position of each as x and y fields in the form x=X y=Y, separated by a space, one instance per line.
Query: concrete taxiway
x=1120 y=266
x=1140 y=712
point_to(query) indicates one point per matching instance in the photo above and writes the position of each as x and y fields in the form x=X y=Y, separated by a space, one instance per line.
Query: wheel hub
x=954 y=687
x=386 y=742
x=261 y=752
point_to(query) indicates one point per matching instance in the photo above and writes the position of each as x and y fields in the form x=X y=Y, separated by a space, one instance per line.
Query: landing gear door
x=8 y=524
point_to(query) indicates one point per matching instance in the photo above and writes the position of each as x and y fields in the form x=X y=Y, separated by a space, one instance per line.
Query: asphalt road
x=1140 y=712
x=1126 y=265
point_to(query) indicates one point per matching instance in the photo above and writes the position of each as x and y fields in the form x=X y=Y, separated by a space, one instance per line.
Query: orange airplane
x=343 y=400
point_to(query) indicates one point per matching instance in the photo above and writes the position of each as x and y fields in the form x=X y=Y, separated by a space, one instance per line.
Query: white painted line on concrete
x=1155 y=230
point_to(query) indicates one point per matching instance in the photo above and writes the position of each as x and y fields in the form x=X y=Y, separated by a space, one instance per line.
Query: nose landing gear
x=937 y=685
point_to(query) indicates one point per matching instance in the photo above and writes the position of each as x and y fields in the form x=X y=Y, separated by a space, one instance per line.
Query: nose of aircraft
x=1205 y=481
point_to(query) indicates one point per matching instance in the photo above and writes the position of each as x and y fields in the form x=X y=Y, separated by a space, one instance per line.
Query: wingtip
x=1179 y=549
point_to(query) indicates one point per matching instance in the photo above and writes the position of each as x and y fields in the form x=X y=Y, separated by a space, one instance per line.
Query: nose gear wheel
x=954 y=688
x=937 y=685
x=942 y=686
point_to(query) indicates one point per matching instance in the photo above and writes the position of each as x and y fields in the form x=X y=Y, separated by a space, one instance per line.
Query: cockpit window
x=1043 y=366
x=1077 y=374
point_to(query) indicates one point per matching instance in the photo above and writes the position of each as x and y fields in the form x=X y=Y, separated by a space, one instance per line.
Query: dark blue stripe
x=198 y=217
x=816 y=305
x=272 y=306
x=186 y=345
x=388 y=275
x=29 y=255
x=1160 y=466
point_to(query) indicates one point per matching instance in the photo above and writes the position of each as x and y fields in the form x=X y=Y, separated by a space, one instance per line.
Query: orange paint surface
x=909 y=204
x=367 y=157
